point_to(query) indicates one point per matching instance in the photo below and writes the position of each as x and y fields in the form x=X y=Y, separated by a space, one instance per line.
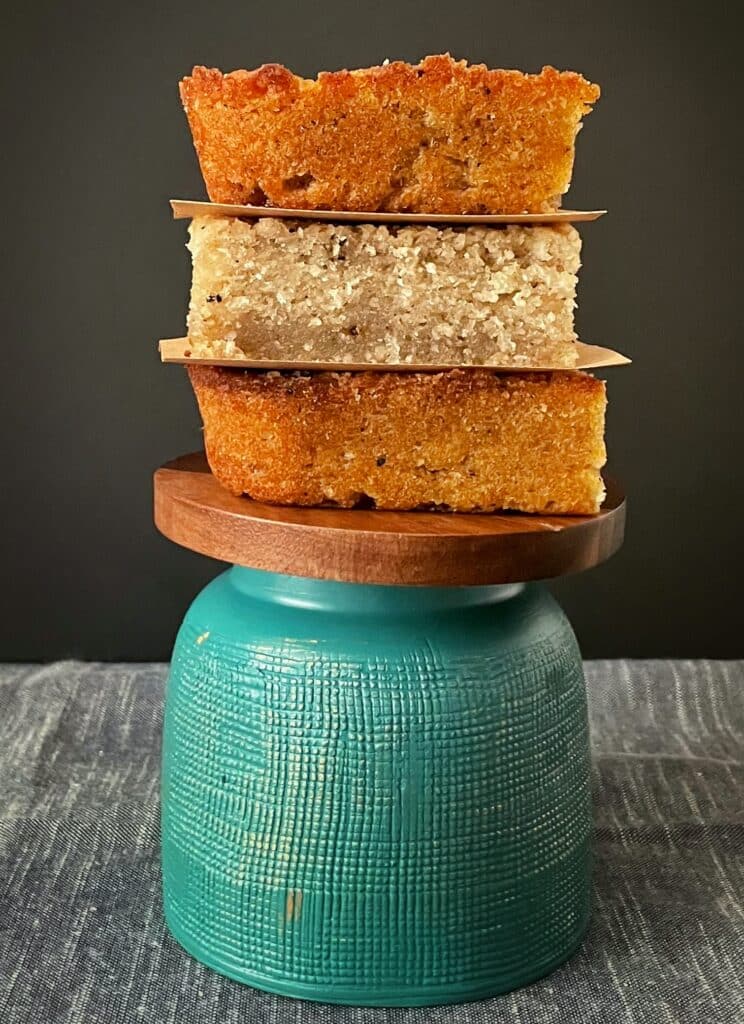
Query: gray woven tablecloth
x=82 y=938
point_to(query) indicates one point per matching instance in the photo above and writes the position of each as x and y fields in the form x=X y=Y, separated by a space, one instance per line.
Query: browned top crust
x=466 y=439
x=441 y=136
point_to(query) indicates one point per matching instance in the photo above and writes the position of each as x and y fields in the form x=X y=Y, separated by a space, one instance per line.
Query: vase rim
x=355 y=598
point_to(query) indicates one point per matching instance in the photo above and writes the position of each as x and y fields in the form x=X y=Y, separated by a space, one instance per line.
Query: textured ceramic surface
x=375 y=795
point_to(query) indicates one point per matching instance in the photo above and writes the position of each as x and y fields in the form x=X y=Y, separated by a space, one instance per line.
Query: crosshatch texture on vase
x=376 y=808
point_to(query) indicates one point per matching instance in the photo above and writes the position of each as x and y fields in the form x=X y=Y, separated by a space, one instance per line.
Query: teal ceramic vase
x=376 y=795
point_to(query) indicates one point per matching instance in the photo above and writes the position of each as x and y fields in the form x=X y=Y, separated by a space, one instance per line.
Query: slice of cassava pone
x=465 y=440
x=441 y=136
x=362 y=293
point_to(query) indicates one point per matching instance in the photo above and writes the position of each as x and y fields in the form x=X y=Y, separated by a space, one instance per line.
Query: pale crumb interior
x=362 y=293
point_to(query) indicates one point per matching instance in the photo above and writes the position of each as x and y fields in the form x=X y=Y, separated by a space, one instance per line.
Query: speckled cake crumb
x=441 y=136
x=465 y=440
x=363 y=293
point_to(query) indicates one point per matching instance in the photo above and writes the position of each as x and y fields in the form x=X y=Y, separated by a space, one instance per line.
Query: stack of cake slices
x=382 y=307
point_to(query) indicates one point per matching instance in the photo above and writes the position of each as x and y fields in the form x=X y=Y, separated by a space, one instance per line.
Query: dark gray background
x=93 y=144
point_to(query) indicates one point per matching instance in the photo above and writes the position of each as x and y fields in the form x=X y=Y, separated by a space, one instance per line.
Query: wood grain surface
x=372 y=546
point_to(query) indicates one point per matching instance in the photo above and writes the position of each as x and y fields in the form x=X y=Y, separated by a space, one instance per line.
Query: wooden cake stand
x=375 y=758
x=359 y=546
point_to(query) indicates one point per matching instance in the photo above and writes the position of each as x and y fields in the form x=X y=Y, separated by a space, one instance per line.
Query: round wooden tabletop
x=373 y=546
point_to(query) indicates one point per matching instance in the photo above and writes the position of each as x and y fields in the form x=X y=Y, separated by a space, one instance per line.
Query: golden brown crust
x=467 y=440
x=438 y=137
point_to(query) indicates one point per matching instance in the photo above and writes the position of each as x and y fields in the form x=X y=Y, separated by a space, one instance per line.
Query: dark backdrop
x=93 y=144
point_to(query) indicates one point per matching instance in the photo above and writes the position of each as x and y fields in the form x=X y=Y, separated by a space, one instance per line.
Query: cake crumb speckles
x=441 y=136
x=464 y=440
x=362 y=293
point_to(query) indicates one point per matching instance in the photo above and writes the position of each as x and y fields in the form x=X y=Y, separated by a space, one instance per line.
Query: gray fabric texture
x=82 y=937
